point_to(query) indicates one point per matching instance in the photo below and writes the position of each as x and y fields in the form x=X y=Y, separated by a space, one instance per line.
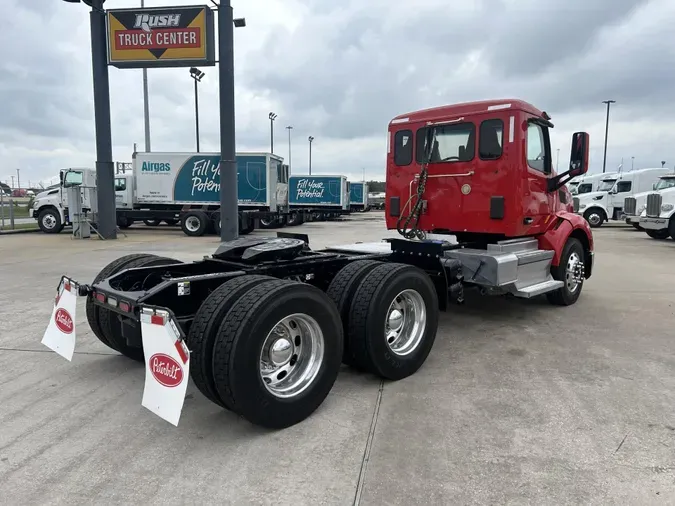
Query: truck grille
x=630 y=205
x=575 y=204
x=653 y=204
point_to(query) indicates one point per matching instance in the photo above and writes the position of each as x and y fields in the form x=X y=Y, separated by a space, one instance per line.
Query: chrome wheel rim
x=574 y=272
x=594 y=219
x=405 y=322
x=192 y=223
x=49 y=221
x=266 y=221
x=291 y=355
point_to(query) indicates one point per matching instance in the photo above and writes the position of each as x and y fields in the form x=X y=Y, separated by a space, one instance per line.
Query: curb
x=19 y=231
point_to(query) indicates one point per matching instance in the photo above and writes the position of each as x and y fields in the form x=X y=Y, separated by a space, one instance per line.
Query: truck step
x=537 y=289
x=514 y=245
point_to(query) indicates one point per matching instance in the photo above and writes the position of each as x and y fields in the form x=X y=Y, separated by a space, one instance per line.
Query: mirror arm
x=557 y=182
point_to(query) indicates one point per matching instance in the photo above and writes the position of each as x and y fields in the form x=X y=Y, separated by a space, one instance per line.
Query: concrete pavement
x=519 y=401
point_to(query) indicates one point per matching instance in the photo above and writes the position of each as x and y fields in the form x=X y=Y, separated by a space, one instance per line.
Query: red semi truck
x=262 y=325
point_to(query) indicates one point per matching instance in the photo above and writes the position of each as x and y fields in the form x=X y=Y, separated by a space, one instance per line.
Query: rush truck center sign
x=161 y=37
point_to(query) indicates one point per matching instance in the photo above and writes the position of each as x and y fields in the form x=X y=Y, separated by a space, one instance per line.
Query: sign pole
x=105 y=177
x=229 y=212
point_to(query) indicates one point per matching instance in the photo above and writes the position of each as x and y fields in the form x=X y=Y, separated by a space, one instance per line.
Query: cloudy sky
x=341 y=70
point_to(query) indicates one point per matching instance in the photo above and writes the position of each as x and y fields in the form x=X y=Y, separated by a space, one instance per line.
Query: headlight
x=582 y=206
x=599 y=197
x=36 y=204
x=666 y=207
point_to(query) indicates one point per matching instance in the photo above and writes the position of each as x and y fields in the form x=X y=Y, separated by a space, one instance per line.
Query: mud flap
x=60 y=334
x=167 y=364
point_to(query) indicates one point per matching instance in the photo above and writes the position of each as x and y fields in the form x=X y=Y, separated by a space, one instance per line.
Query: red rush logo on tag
x=166 y=370
x=64 y=321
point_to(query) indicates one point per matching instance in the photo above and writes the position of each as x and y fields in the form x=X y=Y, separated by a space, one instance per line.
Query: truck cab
x=658 y=216
x=634 y=205
x=50 y=208
x=483 y=173
x=607 y=202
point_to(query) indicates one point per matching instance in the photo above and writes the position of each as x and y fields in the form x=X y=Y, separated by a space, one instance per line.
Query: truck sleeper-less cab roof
x=489 y=172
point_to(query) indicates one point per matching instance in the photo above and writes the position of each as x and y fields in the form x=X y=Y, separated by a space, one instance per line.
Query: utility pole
x=146 y=107
x=289 y=128
x=310 y=139
x=557 y=160
x=272 y=117
x=18 y=178
x=632 y=162
x=13 y=187
x=604 y=159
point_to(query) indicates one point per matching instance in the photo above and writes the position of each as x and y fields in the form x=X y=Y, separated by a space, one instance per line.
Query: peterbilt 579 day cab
x=262 y=325
x=607 y=202
x=633 y=206
x=658 y=217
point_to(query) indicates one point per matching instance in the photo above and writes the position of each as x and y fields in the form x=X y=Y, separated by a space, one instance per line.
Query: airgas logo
x=156 y=167
x=147 y=22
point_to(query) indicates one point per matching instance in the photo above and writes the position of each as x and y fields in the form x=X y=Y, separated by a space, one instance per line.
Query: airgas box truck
x=322 y=197
x=183 y=187
x=358 y=196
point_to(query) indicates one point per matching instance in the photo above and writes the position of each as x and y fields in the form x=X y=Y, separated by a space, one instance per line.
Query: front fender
x=564 y=226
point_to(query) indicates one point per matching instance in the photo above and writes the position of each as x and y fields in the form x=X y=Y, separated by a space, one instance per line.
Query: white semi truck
x=183 y=187
x=633 y=206
x=607 y=202
x=658 y=217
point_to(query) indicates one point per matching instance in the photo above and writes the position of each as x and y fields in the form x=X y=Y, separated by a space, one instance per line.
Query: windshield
x=606 y=185
x=664 y=183
x=585 y=188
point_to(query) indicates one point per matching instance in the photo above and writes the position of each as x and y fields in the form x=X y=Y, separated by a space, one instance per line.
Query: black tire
x=671 y=227
x=171 y=223
x=239 y=343
x=152 y=223
x=215 y=224
x=111 y=324
x=341 y=291
x=124 y=222
x=49 y=221
x=564 y=296
x=194 y=223
x=595 y=217
x=369 y=311
x=294 y=219
x=205 y=326
x=658 y=234
x=92 y=310
x=268 y=222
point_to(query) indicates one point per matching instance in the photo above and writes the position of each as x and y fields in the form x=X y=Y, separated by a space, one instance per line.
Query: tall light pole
x=18 y=178
x=105 y=168
x=604 y=158
x=310 y=139
x=289 y=128
x=272 y=117
x=632 y=162
x=197 y=75
x=146 y=106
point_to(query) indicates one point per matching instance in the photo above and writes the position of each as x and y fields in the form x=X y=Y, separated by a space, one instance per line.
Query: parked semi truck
x=262 y=325
x=322 y=197
x=658 y=217
x=358 y=196
x=634 y=205
x=183 y=187
x=607 y=202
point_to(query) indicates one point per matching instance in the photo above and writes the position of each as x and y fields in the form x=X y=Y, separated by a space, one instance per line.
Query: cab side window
x=536 y=147
x=120 y=184
x=490 y=139
x=623 y=186
x=403 y=147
